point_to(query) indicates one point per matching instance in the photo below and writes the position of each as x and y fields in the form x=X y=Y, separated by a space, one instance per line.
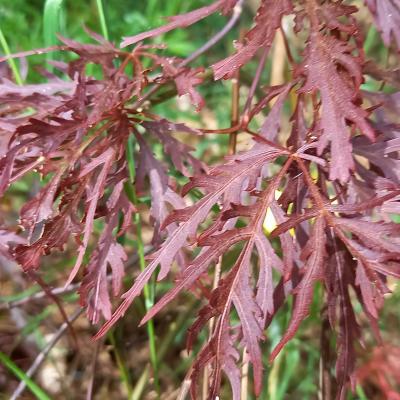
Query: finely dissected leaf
x=114 y=255
x=314 y=253
x=267 y=21
x=268 y=260
x=325 y=58
x=240 y=171
x=185 y=78
x=161 y=194
x=249 y=314
x=40 y=208
x=371 y=296
x=331 y=13
x=226 y=362
x=349 y=332
x=178 y=151
x=94 y=289
x=186 y=82
x=375 y=235
x=236 y=289
x=387 y=18
x=271 y=125
x=6 y=239
x=183 y=20
x=196 y=269
x=35 y=94
x=55 y=235
x=326 y=177
x=105 y=160
x=378 y=154
x=372 y=253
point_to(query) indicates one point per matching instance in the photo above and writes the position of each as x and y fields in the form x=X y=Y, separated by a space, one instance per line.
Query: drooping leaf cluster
x=336 y=169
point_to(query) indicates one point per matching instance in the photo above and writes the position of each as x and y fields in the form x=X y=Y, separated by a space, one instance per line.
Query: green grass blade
x=360 y=392
x=371 y=39
x=11 y=61
x=151 y=13
x=19 y=296
x=52 y=17
x=123 y=370
x=103 y=24
x=131 y=161
x=51 y=21
x=33 y=387
x=148 y=291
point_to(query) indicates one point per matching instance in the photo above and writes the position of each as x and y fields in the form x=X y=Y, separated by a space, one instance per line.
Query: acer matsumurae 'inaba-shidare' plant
x=336 y=167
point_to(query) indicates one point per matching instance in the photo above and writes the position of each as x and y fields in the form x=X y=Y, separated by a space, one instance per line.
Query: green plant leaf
x=52 y=14
x=53 y=21
x=102 y=17
x=11 y=61
x=33 y=387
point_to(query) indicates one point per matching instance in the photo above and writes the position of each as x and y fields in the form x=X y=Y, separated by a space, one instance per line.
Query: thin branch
x=235 y=107
x=185 y=387
x=39 y=295
x=44 y=353
x=254 y=84
x=211 y=325
x=34 y=276
x=62 y=290
x=287 y=47
x=244 y=381
x=89 y=392
x=218 y=266
x=22 y=54
x=223 y=131
x=314 y=190
x=237 y=11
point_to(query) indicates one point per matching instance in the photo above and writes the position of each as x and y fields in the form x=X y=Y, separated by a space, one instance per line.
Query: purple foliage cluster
x=338 y=172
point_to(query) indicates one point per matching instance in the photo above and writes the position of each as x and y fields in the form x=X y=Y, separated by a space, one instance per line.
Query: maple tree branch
x=238 y=127
x=231 y=150
x=234 y=112
x=314 y=189
x=247 y=248
x=287 y=47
